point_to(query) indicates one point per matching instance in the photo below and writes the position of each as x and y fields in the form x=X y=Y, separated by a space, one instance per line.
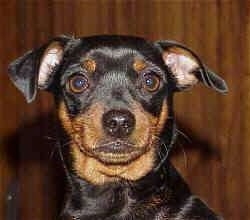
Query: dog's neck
x=91 y=202
x=122 y=199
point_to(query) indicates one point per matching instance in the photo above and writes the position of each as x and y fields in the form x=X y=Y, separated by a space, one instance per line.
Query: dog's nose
x=118 y=123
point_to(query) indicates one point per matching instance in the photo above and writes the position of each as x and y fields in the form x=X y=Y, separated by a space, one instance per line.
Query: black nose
x=118 y=123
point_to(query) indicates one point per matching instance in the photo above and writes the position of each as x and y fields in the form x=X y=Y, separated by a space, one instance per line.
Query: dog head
x=113 y=95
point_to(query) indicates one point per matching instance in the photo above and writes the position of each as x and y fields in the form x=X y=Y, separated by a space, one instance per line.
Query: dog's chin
x=117 y=153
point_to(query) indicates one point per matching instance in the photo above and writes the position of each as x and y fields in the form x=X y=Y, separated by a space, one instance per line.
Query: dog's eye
x=78 y=83
x=151 y=82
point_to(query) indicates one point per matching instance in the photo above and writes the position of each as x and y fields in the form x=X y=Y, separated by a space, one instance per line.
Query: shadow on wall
x=189 y=140
x=40 y=181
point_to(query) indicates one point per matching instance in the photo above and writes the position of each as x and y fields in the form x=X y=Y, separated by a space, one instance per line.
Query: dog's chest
x=117 y=204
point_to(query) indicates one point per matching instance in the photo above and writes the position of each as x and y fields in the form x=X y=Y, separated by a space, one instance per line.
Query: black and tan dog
x=114 y=98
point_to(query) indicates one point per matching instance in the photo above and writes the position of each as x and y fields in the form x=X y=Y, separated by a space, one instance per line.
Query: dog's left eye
x=78 y=83
x=151 y=82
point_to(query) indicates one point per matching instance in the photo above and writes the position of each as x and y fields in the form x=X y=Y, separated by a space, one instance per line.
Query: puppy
x=114 y=96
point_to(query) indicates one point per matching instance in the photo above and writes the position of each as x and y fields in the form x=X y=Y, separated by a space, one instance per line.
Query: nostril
x=126 y=125
x=118 y=123
x=112 y=124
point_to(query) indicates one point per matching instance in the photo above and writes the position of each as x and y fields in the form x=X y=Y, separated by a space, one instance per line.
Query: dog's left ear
x=36 y=68
x=187 y=68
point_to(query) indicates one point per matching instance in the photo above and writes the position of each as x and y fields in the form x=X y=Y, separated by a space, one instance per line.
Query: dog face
x=113 y=95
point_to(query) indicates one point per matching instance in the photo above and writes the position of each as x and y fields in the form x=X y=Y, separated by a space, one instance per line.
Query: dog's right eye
x=151 y=82
x=77 y=84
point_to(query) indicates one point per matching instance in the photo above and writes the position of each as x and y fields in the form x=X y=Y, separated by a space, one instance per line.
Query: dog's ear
x=36 y=68
x=187 y=68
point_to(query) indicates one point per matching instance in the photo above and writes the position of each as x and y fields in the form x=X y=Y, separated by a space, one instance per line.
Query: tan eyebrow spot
x=139 y=65
x=89 y=65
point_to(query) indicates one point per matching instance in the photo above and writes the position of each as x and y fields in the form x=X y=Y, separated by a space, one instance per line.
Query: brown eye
x=151 y=82
x=78 y=83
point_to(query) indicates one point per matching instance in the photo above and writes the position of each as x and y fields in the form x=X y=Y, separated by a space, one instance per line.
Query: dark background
x=215 y=162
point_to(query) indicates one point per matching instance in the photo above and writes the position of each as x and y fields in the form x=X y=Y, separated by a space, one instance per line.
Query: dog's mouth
x=117 y=152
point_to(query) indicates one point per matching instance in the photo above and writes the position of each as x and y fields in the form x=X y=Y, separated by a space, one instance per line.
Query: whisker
x=52 y=153
x=68 y=142
x=168 y=147
x=95 y=143
x=180 y=144
x=54 y=138
x=55 y=148
x=50 y=138
x=63 y=162
x=184 y=135
x=159 y=154
x=185 y=157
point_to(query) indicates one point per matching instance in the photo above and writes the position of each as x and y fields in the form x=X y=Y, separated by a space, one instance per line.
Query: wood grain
x=215 y=162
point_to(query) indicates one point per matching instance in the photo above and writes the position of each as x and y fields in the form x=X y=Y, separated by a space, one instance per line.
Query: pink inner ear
x=52 y=57
x=182 y=66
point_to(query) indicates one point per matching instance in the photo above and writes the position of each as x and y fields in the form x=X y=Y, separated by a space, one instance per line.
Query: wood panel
x=215 y=159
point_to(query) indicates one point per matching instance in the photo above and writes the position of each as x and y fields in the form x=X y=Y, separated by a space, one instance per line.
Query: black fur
x=162 y=193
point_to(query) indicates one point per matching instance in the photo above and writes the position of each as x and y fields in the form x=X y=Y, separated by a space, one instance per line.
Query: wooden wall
x=216 y=162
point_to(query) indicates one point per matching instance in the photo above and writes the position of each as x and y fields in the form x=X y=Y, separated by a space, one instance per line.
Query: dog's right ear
x=36 y=68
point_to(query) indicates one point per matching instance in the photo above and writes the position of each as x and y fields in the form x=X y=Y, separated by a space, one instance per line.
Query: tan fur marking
x=89 y=65
x=98 y=173
x=149 y=124
x=86 y=129
x=91 y=124
x=139 y=65
x=145 y=126
x=63 y=116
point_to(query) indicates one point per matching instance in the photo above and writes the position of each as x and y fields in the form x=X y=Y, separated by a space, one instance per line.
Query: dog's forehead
x=116 y=48
x=110 y=53
x=120 y=58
